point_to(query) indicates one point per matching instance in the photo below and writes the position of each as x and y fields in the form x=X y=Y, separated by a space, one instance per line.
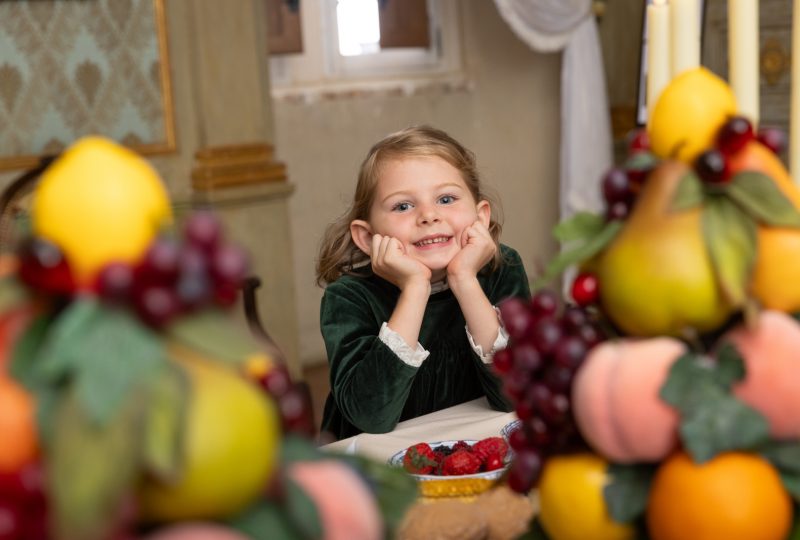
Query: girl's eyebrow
x=438 y=187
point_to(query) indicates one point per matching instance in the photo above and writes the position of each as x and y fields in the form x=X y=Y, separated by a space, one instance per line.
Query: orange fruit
x=734 y=496
x=774 y=281
x=20 y=442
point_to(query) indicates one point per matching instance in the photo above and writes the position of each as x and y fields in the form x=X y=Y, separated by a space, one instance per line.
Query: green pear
x=656 y=276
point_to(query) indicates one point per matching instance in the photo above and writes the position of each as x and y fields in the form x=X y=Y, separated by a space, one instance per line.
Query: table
x=471 y=420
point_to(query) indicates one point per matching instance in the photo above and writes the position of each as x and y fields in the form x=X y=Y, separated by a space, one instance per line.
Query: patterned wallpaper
x=74 y=67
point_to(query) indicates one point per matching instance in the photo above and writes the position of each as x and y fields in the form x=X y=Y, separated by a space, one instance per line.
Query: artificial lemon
x=231 y=446
x=688 y=114
x=571 y=500
x=99 y=202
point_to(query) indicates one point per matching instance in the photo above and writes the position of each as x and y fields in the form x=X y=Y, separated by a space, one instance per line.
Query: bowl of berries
x=456 y=468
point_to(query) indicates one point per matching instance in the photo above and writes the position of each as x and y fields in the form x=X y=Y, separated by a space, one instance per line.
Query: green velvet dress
x=371 y=388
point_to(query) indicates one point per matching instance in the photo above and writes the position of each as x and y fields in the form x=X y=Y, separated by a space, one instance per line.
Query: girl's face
x=425 y=204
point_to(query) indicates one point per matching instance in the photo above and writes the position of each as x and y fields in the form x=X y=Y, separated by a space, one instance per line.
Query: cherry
x=544 y=303
x=43 y=266
x=203 y=230
x=585 y=289
x=115 y=282
x=517 y=318
x=712 y=166
x=616 y=186
x=773 y=138
x=734 y=134
x=638 y=140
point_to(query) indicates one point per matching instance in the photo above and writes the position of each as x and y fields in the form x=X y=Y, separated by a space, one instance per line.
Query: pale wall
x=509 y=117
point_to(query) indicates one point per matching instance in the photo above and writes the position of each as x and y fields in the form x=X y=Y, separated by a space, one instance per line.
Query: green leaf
x=12 y=293
x=265 y=520
x=578 y=254
x=730 y=237
x=581 y=226
x=730 y=366
x=722 y=424
x=214 y=333
x=689 y=193
x=792 y=484
x=627 y=491
x=302 y=511
x=640 y=161
x=761 y=199
x=106 y=351
x=23 y=365
x=91 y=468
x=785 y=455
x=168 y=395
x=688 y=381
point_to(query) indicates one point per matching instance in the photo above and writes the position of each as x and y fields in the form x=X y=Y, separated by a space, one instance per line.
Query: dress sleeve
x=369 y=383
x=510 y=280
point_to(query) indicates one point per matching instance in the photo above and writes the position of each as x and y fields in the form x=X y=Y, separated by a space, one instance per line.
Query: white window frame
x=321 y=65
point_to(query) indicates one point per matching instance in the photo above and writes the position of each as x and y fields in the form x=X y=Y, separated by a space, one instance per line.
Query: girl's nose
x=428 y=215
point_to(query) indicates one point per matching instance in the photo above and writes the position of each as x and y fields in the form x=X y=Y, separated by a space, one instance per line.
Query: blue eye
x=401 y=207
x=447 y=199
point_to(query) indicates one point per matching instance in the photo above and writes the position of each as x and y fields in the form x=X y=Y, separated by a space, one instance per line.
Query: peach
x=346 y=506
x=196 y=531
x=616 y=399
x=772 y=362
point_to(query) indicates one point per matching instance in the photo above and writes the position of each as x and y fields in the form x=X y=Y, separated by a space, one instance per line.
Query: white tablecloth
x=470 y=420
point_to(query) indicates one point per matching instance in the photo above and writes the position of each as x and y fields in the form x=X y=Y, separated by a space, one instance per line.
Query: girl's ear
x=362 y=235
x=484 y=210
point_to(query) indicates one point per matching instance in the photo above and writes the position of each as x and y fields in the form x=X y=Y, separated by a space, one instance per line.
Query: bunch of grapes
x=292 y=398
x=712 y=165
x=547 y=346
x=175 y=275
x=23 y=506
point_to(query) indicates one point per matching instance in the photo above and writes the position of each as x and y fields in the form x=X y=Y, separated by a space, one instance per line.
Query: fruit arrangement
x=131 y=403
x=458 y=459
x=660 y=399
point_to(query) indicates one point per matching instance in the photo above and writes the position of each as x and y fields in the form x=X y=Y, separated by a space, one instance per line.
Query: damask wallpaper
x=74 y=67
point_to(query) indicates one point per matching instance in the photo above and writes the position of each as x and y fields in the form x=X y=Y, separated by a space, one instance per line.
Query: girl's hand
x=389 y=261
x=477 y=249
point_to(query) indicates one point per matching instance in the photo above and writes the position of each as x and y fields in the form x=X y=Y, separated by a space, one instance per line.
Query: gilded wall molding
x=236 y=165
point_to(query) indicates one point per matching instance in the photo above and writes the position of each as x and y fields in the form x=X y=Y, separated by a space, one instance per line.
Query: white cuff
x=398 y=345
x=500 y=342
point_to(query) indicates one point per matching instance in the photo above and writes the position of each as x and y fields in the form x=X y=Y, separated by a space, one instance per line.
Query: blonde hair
x=338 y=254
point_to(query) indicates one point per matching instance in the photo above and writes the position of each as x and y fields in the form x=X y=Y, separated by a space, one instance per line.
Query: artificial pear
x=656 y=276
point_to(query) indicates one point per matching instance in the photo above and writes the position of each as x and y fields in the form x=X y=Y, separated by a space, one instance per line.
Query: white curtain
x=586 y=147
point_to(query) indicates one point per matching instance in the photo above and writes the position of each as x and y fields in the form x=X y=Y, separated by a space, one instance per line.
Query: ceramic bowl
x=510 y=428
x=467 y=485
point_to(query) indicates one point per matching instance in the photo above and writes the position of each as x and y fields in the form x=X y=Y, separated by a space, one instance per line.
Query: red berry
x=460 y=462
x=638 y=139
x=773 y=138
x=493 y=462
x=490 y=446
x=712 y=166
x=734 y=134
x=419 y=459
x=585 y=289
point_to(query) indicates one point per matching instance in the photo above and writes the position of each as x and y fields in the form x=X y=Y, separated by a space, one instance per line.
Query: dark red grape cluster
x=292 y=398
x=547 y=346
x=23 y=506
x=713 y=165
x=175 y=275
x=621 y=185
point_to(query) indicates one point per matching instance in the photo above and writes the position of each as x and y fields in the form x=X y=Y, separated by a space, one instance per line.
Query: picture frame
x=82 y=76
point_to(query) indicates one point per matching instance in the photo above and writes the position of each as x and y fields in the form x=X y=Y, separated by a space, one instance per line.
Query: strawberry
x=460 y=462
x=419 y=459
x=492 y=445
x=493 y=462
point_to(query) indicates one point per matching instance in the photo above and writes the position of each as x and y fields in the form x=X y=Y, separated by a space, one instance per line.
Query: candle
x=743 y=52
x=684 y=34
x=658 y=67
x=794 y=114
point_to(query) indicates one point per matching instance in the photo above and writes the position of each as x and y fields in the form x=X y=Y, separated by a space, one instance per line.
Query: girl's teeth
x=432 y=241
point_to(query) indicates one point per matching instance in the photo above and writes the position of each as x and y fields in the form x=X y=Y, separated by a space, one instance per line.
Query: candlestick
x=794 y=113
x=684 y=34
x=743 y=52
x=658 y=51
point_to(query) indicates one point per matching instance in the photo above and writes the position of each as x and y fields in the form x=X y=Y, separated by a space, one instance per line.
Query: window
x=360 y=41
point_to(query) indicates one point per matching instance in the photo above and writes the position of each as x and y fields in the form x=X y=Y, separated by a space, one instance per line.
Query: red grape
x=42 y=266
x=203 y=230
x=115 y=282
x=502 y=361
x=546 y=334
x=570 y=352
x=544 y=303
x=618 y=211
x=525 y=470
x=712 y=166
x=156 y=305
x=517 y=318
x=616 y=186
x=734 y=134
x=773 y=138
x=526 y=358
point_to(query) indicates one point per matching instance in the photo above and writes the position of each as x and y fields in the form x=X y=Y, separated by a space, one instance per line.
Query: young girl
x=414 y=273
